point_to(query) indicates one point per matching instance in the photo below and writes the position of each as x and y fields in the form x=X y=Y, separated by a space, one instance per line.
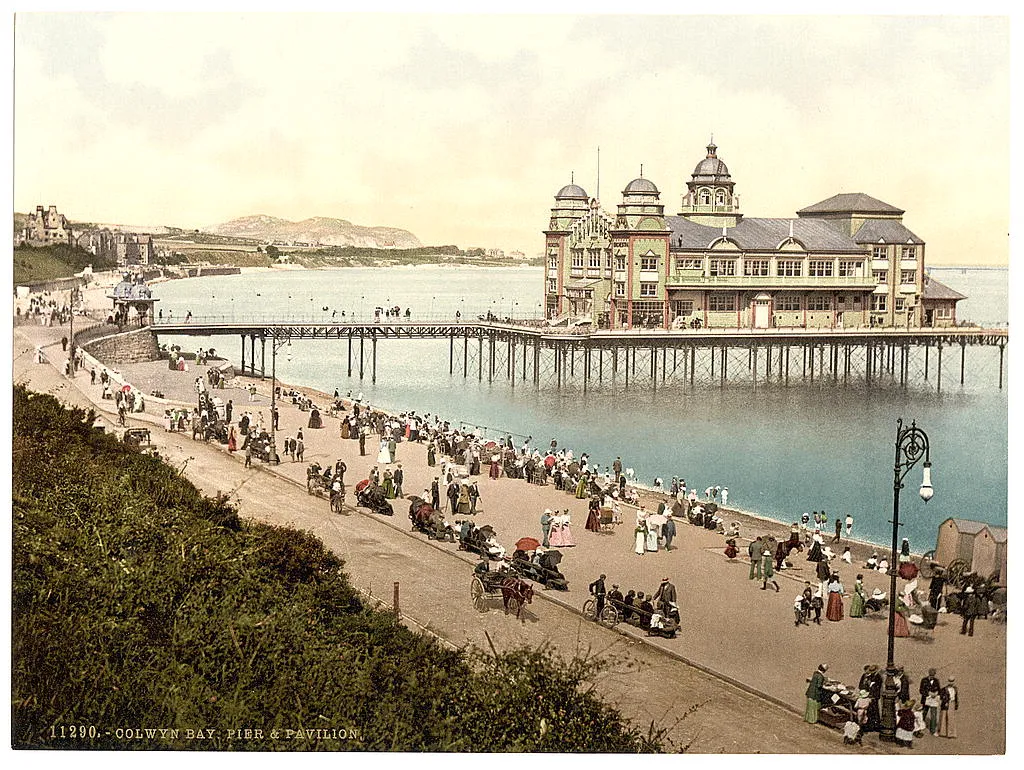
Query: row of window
x=882 y=252
x=816 y=268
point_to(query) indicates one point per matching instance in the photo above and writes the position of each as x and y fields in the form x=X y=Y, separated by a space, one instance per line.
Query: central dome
x=711 y=167
x=640 y=185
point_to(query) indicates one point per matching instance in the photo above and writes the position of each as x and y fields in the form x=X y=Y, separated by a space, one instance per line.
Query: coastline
x=749 y=521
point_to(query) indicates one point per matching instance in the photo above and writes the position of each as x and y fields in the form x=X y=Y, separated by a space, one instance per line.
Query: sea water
x=781 y=451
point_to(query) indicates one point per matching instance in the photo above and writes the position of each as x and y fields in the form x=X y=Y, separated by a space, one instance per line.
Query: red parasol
x=527 y=544
x=362 y=485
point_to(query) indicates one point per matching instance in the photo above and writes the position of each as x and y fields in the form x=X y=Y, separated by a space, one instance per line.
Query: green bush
x=140 y=605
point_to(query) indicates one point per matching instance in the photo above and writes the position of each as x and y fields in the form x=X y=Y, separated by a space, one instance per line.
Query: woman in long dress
x=565 y=531
x=495 y=467
x=463 y=504
x=581 y=487
x=232 y=440
x=834 y=608
x=900 y=626
x=858 y=598
x=388 y=484
x=641 y=537
x=593 y=518
x=652 y=536
x=344 y=429
x=384 y=456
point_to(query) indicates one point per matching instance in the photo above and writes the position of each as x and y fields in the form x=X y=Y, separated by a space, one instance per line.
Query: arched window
x=705 y=196
x=720 y=197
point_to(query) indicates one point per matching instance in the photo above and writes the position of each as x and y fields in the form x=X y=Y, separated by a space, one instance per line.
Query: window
x=648 y=289
x=880 y=252
x=620 y=262
x=908 y=252
x=908 y=276
x=819 y=302
x=755 y=267
x=790 y=267
x=620 y=288
x=553 y=262
x=881 y=276
x=723 y=267
x=577 y=259
x=552 y=285
x=943 y=312
x=689 y=263
x=900 y=305
x=788 y=302
x=595 y=258
x=820 y=268
x=850 y=268
x=878 y=302
x=683 y=306
x=648 y=263
x=722 y=302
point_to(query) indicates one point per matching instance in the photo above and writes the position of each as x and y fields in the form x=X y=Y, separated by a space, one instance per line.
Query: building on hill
x=845 y=262
x=128 y=249
x=46 y=227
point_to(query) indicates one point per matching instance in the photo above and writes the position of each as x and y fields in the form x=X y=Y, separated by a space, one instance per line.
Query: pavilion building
x=846 y=262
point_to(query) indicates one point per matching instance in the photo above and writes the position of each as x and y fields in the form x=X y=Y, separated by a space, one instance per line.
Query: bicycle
x=609 y=615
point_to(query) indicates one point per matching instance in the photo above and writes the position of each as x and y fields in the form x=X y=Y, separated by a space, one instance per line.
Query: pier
x=583 y=358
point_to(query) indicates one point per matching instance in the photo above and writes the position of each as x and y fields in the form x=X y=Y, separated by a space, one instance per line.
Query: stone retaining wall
x=129 y=347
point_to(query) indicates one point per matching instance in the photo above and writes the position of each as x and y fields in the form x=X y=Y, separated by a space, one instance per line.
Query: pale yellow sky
x=462 y=128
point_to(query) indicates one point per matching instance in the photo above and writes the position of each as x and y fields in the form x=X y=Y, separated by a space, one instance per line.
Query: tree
x=273 y=252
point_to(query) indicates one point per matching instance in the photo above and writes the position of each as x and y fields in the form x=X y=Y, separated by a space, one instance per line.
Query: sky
x=462 y=128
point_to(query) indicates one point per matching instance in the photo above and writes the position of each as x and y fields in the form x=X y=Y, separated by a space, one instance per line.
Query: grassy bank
x=138 y=603
x=45 y=263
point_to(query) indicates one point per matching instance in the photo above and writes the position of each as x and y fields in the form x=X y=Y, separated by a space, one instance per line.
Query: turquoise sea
x=780 y=450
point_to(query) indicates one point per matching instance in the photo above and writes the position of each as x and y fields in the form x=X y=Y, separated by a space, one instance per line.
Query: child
x=801 y=606
x=817 y=603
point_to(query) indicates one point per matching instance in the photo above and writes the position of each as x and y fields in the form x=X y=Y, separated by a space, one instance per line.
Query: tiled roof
x=754 y=233
x=935 y=290
x=888 y=230
x=851 y=202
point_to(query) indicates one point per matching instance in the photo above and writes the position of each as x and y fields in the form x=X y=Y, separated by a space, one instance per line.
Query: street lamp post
x=911 y=446
x=275 y=344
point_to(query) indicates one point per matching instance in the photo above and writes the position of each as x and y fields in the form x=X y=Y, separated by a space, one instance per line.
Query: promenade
x=732 y=681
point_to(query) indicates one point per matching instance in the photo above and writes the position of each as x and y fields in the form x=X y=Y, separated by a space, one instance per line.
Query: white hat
x=970 y=589
x=878 y=593
x=547 y=510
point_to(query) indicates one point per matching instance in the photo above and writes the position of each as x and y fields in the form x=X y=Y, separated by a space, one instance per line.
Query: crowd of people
x=860 y=709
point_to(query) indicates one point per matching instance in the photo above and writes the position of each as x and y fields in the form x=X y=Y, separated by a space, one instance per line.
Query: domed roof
x=711 y=166
x=640 y=185
x=572 y=191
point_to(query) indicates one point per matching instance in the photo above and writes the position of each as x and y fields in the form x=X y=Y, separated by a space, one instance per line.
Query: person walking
x=435 y=494
x=969 y=608
x=754 y=551
x=362 y=441
x=474 y=496
x=545 y=526
x=665 y=597
x=949 y=704
x=905 y=725
x=248 y=454
x=768 y=570
x=668 y=529
x=931 y=700
x=300 y=447
x=839 y=530
x=849 y=526
x=815 y=694
x=399 y=477
x=858 y=599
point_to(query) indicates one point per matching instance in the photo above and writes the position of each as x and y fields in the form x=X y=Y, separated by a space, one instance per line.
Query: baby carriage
x=372 y=496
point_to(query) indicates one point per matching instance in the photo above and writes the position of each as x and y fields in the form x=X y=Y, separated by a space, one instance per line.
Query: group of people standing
x=934 y=713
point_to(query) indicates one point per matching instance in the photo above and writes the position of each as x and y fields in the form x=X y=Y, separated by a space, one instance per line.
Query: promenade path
x=732 y=681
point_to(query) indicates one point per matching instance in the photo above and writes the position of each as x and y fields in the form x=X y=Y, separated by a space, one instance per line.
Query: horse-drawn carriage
x=323 y=484
x=503 y=584
x=372 y=496
x=429 y=520
x=541 y=568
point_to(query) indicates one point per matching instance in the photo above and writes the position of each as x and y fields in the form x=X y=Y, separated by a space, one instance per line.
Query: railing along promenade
x=533 y=350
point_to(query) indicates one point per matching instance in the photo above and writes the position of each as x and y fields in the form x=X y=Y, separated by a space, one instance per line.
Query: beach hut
x=979 y=545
